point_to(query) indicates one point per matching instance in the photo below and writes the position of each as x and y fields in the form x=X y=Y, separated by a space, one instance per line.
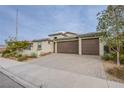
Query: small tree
x=111 y=25
x=17 y=45
x=13 y=46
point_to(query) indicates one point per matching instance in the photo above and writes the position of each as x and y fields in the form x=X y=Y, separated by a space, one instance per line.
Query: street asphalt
x=6 y=82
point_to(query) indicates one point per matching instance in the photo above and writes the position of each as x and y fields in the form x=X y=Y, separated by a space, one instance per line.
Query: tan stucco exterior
x=80 y=47
x=101 y=47
x=62 y=36
x=51 y=45
x=46 y=46
x=58 y=36
x=70 y=35
x=55 y=47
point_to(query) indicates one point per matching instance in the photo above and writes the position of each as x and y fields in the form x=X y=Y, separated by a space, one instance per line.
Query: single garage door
x=67 y=47
x=90 y=46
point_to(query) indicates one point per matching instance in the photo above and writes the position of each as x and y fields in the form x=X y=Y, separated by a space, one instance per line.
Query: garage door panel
x=90 y=46
x=68 y=47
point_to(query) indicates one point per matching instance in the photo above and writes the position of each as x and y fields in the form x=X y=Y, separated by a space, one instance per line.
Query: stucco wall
x=61 y=36
x=70 y=35
x=80 y=47
x=46 y=46
x=101 y=48
x=28 y=52
x=58 y=36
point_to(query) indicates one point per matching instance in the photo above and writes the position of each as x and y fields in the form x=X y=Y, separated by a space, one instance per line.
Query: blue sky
x=36 y=22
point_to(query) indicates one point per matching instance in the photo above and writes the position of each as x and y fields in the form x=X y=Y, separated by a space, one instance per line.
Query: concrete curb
x=18 y=80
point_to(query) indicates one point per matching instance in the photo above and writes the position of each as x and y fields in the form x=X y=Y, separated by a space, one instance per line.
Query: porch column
x=80 y=46
x=101 y=48
x=55 y=47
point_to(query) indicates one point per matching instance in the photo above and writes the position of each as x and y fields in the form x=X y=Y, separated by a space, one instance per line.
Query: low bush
x=0 y=54
x=12 y=54
x=112 y=56
x=22 y=58
x=5 y=53
x=33 y=55
x=9 y=53
x=18 y=55
x=122 y=58
x=107 y=57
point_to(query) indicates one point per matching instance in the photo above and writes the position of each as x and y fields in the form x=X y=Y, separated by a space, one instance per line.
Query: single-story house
x=68 y=42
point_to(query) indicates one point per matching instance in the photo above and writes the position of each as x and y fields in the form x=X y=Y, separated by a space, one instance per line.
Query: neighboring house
x=68 y=42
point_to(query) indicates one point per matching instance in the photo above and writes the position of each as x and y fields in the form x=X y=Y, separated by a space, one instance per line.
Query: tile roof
x=92 y=34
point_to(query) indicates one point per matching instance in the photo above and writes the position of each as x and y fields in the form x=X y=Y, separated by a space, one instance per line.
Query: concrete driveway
x=60 y=70
x=86 y=65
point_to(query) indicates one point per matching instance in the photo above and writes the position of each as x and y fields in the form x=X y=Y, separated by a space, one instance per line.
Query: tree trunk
x=118 y=59
x=109 y=49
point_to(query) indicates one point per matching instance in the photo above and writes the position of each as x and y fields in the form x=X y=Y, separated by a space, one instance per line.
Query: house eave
x=41 y=40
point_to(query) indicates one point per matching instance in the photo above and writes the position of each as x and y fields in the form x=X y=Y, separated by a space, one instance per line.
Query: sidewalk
x=31 y=75
x=6 y=82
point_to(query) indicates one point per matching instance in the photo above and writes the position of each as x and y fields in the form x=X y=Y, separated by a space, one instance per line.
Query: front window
x=55 y=37
x=48 y=42
x=39 y=47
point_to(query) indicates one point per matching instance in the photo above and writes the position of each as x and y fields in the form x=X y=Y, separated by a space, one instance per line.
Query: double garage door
x=89 y=46
x=70 y=47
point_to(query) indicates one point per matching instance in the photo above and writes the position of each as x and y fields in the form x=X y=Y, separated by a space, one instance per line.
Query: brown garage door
x=90 y=46
x=68 y=47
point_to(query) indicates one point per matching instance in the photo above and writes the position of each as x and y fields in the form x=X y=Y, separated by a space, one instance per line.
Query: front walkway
x=39 y=74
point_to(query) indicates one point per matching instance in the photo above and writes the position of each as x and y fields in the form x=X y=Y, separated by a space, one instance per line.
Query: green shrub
x=12 y=54
x=5 y=53
x=8 y=53
x=22 y=58
x=33 y=55
x=0 y=54
x=109 y=56
x=18 y=55
x=106 y=57
x=122 y=50
x=113 y=56
x=122 y=58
